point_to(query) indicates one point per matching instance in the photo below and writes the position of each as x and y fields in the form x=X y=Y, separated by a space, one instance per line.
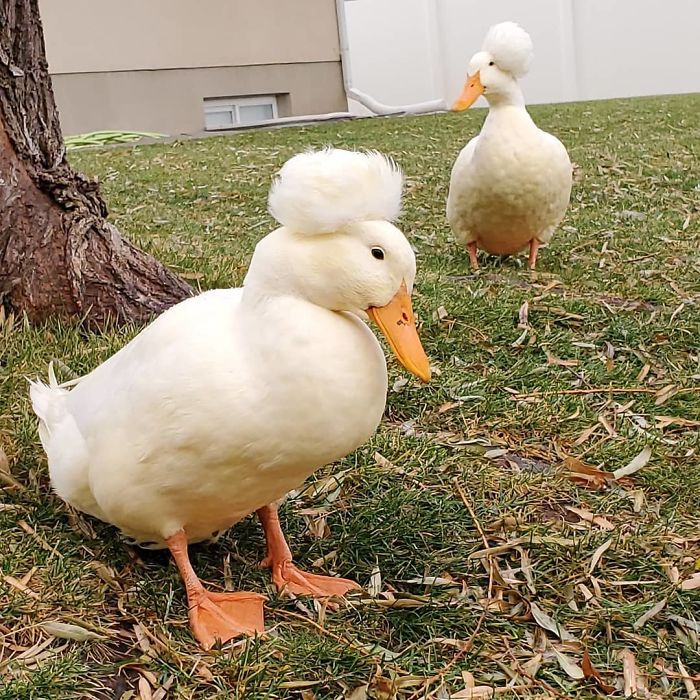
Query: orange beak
x=398 y=324
x=473 y=89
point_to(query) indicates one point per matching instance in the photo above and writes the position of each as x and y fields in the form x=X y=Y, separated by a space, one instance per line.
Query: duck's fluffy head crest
x=510 y=46
x=323 y=191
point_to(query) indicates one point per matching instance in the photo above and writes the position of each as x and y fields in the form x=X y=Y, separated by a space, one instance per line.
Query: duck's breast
x=514 y=187
x=196 y=428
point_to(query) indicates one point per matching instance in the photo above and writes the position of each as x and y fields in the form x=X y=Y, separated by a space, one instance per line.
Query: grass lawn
x=484 y=549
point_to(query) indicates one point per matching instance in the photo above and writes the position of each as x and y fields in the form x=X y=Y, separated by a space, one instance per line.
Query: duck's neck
x=270 y=273
x=510 y=96
x=507 y=112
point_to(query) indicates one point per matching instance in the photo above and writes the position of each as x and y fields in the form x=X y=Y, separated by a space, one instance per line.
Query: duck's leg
x=213 y=616
x=534 y=247
x=472 y=255
x=285 y=575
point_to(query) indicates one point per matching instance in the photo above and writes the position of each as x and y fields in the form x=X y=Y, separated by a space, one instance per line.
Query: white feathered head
x=505 y=56
x=325 y=191
x=510 y=47
x=337 y=248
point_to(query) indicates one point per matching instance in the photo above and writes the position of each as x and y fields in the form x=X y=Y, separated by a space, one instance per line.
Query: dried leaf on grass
x=664 y=394
x=298 y=684
x=690 y=584
x=493 y=454
x=398 y=603
x=532 y=666
x=448 y=406
x=597 y=479
x=568 y=665
x=606 y=424
x=461 y=644
x=478 y=692
x=635 y=465
x=663 y=422
x=472 y=691
x=64 y=630
x=589 y=517
x=526 y=568
x=548 y=623
x=316 y=523
x=374 y=587
x=530 y=540
x=590 y=672
x=633 y=682
x=585 y=475
x=598 y=555
x=329 y=487
x=359 y=693
x=523 y=315
x=553 y=360
x=687 y=681
x=162 y=692
x=434 y=581
x=693 y=625
x=20 y=586
x=649 y=614
x=586 y=433
x=381 y=461
x=145 y=689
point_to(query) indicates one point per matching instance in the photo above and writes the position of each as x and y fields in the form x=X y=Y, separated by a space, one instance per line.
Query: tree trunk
x=59 y=256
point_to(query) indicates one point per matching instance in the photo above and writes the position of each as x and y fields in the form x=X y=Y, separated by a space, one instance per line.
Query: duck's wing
x=458 y=178
x=130 y=386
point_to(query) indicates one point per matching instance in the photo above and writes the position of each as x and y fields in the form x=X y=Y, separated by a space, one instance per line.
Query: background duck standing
x=510 y=185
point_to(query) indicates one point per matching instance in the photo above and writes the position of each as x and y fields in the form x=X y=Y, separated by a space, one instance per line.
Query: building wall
x=171 y=101
x=147 y=66
x=584 y=49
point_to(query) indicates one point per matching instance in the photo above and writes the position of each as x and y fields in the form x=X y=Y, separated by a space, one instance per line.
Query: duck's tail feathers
x=323 y=191
x=47 y=402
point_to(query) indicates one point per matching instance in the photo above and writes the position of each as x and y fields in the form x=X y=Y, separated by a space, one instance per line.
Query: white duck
x=510 y=185
x=230 y=399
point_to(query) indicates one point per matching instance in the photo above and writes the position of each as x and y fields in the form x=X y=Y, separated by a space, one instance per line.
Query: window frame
x=232 y=104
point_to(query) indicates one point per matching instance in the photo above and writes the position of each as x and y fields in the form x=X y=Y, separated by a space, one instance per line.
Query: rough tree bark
x=59 y=256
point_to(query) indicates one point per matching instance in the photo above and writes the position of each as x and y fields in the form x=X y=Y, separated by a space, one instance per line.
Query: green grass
x=617 y=293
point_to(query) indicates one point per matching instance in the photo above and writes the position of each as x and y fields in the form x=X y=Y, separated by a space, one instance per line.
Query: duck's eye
x=378 y=253
x=492 y=63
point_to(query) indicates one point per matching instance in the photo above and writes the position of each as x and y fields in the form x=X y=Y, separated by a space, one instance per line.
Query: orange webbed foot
x=285 y=575
x=224 y=616
x=292 y=581
x=215 y=616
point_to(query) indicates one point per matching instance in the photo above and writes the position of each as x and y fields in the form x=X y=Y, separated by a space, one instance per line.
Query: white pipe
x=366 y=100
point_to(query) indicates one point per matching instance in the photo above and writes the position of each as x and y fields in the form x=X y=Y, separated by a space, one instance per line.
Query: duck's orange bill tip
x=473 y=89
x=398 y=324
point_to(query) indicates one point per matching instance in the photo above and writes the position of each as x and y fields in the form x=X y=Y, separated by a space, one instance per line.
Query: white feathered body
x=202 y=418
x=510 y=184
x=230 y=399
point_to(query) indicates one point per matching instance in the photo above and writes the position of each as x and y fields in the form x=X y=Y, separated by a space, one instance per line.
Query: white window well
x=230 y=112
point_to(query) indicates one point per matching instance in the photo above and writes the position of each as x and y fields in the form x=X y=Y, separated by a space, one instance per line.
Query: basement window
x=230 y=112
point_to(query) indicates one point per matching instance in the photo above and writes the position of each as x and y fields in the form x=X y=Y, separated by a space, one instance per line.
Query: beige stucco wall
x=171 y=101
x=147 y=65
x=119 y=35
